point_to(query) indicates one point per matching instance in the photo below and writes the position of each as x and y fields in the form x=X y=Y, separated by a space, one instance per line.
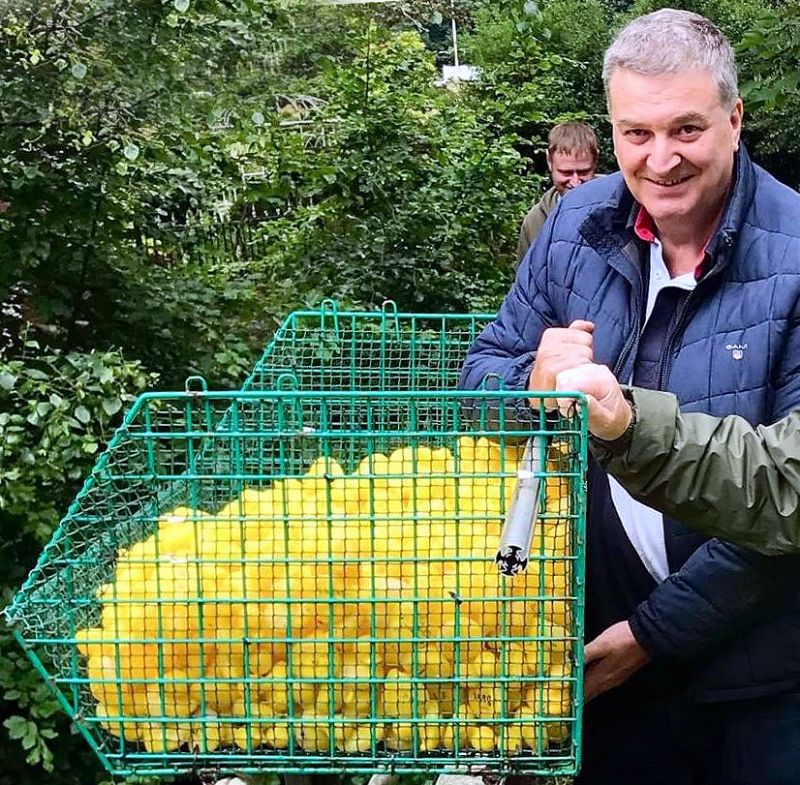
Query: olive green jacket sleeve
x=720 y=476
x=534 y=221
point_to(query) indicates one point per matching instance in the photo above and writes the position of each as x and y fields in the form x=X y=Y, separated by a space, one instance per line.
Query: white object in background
x=459 y=73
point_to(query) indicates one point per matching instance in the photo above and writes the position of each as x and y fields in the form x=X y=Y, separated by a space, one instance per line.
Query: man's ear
x=549 y=162
x=736 y=122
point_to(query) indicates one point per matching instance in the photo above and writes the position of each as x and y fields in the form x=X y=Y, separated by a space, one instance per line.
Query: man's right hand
x=609 y=411
x=560 y=349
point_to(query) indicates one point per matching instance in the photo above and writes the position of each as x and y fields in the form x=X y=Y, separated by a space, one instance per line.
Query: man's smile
x=669 y=183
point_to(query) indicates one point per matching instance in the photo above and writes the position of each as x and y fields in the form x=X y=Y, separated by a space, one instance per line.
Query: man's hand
x=611 y=659
x=560 y=349
x=609 y=411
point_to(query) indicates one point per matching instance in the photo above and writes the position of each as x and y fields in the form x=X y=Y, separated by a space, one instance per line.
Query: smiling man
x=571 y=160
x=681 y=273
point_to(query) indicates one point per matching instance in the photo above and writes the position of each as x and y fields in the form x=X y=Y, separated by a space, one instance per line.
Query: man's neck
x=684 y=243
x=681 y=258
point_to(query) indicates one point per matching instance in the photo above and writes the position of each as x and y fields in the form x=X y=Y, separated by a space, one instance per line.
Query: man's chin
x=667 y=207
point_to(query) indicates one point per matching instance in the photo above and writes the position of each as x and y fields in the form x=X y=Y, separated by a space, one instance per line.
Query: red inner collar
x=645 y=228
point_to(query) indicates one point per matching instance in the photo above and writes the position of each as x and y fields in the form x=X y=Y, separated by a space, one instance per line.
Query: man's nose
x=663 y=158
x=574 y=180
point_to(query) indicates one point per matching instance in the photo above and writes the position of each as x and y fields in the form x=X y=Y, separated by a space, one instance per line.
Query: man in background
x=571 y=160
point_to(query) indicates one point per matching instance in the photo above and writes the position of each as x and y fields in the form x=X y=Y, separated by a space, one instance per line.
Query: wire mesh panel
x=329 y=349
x=305 y=581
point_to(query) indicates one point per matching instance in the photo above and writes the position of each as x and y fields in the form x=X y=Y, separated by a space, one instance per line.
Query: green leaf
x=82 y=414
x=327 y=65
x=17 y=726
x=111 y=406
x=34 y=756
x=131 y=151
x=182 y=6
x=437 y=18
x=257 y=118
x=7 y=380
x=31 y=737
x=78 y=70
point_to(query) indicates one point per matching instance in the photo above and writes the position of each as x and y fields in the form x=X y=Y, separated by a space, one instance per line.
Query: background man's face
x=674 y=141
x=571 y=169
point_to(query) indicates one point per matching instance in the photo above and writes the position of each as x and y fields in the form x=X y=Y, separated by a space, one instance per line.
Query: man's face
x=571 y=169
x=674 y=142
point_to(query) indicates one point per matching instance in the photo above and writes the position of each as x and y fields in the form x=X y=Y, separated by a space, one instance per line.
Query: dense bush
x=57 y=410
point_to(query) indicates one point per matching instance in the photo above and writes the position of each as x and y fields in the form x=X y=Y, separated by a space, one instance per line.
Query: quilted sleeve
x=721 y=591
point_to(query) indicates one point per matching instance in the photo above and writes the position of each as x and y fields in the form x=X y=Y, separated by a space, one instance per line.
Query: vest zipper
x=626 y=350
x=667 y=350
x=634 y=337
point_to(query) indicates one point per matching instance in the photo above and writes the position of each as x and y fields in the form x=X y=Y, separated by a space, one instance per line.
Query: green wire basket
x=299 y=581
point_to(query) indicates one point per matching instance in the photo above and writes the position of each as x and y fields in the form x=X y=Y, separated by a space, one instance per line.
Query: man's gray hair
x=671 y=41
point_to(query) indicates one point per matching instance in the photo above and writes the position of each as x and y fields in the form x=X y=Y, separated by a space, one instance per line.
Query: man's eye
x=636 y=133
x=690 y=130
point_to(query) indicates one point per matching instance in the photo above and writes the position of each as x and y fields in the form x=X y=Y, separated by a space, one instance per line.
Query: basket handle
x=329 y=304
x=389 y=311
x=191 y=381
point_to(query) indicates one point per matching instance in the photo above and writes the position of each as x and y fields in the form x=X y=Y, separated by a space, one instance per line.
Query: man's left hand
x=611 y=659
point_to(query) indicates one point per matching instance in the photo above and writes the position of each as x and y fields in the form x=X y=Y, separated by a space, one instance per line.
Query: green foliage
x=770 y=50
x=23 y=688
x=112 y=112
x=394 y=161
x=547 y=64
x=56 y=412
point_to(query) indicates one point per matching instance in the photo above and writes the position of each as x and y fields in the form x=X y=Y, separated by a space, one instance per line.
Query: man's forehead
x=632 y=95
x=575 y=158
x=685 y=118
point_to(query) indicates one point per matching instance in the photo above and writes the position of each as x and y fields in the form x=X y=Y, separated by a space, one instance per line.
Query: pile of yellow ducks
x=343 y=611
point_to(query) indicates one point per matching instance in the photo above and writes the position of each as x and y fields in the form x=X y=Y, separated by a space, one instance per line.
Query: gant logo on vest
x=737 y=350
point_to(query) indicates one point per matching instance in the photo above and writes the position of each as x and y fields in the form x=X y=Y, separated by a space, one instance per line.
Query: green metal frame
x=201 y=450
